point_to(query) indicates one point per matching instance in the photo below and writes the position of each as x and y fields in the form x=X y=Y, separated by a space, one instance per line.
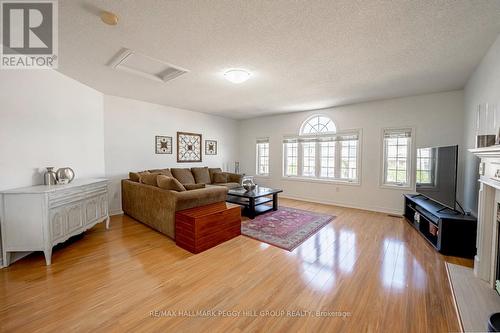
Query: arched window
x=320 y=152
x=317 y=124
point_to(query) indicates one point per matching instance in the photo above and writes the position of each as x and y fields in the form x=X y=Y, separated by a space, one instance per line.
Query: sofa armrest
x=199 y=197
x=150 y=205
x=233 y=177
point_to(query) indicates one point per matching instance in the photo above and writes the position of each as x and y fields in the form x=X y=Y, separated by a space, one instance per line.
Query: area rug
x=285 y=228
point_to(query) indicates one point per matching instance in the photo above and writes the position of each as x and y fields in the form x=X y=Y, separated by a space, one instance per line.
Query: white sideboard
x=36 y=218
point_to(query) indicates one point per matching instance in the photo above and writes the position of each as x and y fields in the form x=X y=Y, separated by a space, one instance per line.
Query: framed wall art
x=163 y=144
x=188 y=147
x=210 y=147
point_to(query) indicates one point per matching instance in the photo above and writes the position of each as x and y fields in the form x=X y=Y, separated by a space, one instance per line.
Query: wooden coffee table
x=254 y=200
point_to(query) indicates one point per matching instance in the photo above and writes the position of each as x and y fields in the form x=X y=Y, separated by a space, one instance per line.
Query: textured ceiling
x=304 y=54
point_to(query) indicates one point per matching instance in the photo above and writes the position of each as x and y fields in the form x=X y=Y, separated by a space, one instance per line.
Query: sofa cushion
x=136 y=176
x=190 y=187
x=169 y=183
x=201 y=175
x=183 y=175
x=165 y=172
x=212 y=171
x=220 y=177
x=149 y=179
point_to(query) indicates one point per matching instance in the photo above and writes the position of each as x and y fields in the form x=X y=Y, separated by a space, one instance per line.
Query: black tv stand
x=448 y=209
x=448 y=231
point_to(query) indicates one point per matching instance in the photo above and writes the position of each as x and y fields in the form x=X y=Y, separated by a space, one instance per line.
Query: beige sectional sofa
x=153 y=196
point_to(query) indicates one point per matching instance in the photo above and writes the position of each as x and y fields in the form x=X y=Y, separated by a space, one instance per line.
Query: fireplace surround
x=486 y=263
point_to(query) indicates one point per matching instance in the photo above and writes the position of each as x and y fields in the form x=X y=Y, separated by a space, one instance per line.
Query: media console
x=448 y=231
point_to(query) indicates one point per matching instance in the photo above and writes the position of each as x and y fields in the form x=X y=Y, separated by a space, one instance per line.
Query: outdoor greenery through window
x=397 y=157
x=320 y=153
x=425 y=168
x=262 y=157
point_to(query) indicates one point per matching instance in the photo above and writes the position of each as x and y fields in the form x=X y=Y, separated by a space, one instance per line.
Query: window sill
x=396 y=187
x=322 y=181
x=262 y=176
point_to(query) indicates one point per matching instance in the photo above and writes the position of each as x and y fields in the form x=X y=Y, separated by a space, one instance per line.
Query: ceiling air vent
x=139 y=64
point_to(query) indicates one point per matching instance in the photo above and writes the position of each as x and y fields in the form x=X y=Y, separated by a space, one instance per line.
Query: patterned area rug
x=285 y=228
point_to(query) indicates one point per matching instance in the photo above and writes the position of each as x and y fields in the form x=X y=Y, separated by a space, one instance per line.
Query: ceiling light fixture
x=109 y=18
x=236 y=75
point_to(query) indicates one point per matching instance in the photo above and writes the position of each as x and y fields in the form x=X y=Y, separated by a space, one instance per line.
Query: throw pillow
x=169 y=183
x=165 y=172
x=183 y=175
x=190 y=187
x=136 y=176
x=149 y=179
x=212 y=171
x=201 y=175
x=220 y=177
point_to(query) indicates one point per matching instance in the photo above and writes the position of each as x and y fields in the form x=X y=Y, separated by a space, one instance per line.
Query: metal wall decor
x=163 y=144
x=188 y=147
x=210 y=147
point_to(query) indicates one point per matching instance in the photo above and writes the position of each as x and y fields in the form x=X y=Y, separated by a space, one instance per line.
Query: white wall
x=130 y=130
x=437 y=118
x=482 y=87
x=48 y=119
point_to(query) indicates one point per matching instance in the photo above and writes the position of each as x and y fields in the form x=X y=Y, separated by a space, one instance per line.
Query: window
x=263 y=157
x=327 y=159
x=320 y=153
x=397 y=157
x=318 y=125
x=425 y=166
x=348 y=159
x=309 y=159
x=291 y=158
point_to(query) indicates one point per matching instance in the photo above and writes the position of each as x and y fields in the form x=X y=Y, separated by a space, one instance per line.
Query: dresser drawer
x=64 y=197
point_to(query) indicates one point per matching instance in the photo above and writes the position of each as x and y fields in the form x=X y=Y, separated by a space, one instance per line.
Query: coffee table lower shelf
x=255 y=206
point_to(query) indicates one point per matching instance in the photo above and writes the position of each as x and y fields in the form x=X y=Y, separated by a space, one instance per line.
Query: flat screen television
x=437 y=174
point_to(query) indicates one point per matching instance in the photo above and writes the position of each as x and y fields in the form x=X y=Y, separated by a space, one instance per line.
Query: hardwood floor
x=372 y=268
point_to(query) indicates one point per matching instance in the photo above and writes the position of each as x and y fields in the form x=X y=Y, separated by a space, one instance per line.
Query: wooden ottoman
x=200 y=228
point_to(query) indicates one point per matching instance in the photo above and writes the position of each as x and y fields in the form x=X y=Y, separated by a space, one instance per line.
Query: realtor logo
x=29 y=34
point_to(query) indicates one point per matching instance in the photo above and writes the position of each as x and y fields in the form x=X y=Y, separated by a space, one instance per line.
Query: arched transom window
x=320 y=152
x=317 y=124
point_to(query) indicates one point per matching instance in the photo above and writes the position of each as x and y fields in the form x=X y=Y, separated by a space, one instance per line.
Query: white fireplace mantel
x=485 y=261
x=490 y=152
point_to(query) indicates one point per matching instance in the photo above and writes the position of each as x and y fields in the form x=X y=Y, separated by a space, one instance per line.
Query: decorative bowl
x=248 y=184
x=65 y=175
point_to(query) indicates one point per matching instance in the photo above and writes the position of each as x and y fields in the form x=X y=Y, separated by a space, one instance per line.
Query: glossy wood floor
x=371 y=266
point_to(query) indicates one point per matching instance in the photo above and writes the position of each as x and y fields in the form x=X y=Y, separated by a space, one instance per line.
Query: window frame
x=411 y=158
x=337 y=158
x=433 y=161
x=317 y=115
x=258 y=157
x=285 y=159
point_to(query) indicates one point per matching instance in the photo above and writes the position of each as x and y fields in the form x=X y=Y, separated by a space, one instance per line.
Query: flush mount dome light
x=236 y=75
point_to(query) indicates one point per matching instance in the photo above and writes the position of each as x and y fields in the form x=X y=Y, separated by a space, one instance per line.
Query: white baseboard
x=116 y=212
x=347 y=205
